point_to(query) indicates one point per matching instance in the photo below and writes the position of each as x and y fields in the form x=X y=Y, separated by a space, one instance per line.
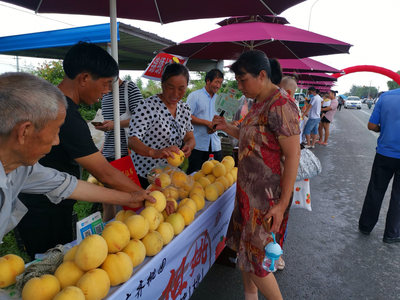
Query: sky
x=369 y=25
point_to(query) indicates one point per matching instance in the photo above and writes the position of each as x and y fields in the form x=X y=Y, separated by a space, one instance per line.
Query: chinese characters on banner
x=155 y=68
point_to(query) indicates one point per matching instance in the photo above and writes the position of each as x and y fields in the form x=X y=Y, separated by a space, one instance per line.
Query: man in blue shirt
x=384 y=119
x=202 y=106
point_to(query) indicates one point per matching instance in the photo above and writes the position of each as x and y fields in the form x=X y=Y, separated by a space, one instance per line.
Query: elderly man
x=32 y=112
x=89 y=73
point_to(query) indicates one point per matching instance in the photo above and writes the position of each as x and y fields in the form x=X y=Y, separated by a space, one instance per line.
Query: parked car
x=352 y=102
x=300 y=98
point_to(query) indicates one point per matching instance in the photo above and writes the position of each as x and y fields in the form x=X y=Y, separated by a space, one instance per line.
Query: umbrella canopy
x=164 y=11
x=276 y=40
x=312 y=76
x=305 y=65
x=316 y=83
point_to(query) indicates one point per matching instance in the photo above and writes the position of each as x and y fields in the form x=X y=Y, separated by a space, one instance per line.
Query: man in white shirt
x=31 y=112
x=313 y=112
x=202 y=106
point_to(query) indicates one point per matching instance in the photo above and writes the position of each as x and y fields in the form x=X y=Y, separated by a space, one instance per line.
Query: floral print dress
x=259 y=178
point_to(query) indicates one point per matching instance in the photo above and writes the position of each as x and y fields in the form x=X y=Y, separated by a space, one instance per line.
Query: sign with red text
x=125 y=165
x=155 y=68
x=177 y=270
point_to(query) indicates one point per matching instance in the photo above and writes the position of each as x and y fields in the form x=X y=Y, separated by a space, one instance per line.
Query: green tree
x=392 y=85
x=51 y=71
x=363 y=91
x=127 y=77
x=139 y=83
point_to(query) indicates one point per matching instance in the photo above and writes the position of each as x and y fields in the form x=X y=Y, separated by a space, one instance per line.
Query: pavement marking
x=375 y=134
x=363 y=111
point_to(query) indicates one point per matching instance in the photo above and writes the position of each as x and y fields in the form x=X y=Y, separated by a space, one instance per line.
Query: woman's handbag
x=309 y=165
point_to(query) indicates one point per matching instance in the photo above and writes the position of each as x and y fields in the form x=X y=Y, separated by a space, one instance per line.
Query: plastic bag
x=301 y=195
x=309 y=165
x=97 y=135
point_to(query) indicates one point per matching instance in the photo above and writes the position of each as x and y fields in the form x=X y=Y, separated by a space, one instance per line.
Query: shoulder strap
x=126 y=96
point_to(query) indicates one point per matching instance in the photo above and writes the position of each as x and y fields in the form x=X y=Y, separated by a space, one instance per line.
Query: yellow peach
x=167 y=232
x=220 y=187
x=138 y=226
x=91 y=252
x=187 y=213
x=153 y=242
x=204 y=181
x=163 y=180
x=211 y=192
x=41 y=288
x=177 y=159
x=122 y=215
x=68 y=273
x=179 y=179
x=199 y=199
x=219 y=170
x=117 y=236
x=160 y=203
x=198 y=175
x=151 y=214
x=177 y=222
x=189 y=202
x=136 y=251
x=94 y=284
x=207 y=167
x=119 y=267
x=171 y=192
x=70 y=293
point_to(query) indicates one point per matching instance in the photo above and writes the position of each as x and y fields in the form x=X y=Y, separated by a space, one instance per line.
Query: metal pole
x=115 y=87
x=309 y=17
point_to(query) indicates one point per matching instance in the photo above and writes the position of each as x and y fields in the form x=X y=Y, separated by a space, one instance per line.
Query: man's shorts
x=311 y=126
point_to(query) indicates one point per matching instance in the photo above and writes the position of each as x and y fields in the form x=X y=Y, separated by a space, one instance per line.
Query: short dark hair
x=214 y=73
x=254 y=61
x=174 y=69
x=311 y=89
x=86 y=57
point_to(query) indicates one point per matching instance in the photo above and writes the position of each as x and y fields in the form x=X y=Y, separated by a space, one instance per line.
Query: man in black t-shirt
x=89 y=71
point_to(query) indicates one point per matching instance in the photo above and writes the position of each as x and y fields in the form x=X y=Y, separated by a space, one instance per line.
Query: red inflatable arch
x=367 y=68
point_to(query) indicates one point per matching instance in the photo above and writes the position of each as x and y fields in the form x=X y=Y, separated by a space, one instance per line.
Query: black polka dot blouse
x=153 y=124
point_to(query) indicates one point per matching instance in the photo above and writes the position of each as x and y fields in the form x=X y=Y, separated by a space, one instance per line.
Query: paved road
x=326 y=257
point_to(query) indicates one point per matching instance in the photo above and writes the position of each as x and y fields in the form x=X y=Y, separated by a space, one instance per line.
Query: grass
x=10 y=245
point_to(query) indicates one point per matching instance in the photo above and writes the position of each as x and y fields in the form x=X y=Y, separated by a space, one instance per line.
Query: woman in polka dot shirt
x=161 y=124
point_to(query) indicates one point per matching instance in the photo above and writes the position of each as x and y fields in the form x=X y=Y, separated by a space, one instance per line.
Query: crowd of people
x=45 y=142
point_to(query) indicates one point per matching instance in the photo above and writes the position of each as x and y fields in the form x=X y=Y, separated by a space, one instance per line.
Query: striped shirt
x=135 y=97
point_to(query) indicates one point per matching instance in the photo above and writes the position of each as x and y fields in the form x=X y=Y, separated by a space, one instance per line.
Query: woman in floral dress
x=269 y=155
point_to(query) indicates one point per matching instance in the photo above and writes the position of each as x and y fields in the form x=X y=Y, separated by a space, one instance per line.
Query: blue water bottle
x=272 y=253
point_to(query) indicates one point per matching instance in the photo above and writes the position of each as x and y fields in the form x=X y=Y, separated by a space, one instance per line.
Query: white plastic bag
x=97 y=135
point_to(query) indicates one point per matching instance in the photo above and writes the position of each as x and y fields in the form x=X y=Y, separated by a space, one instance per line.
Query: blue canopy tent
x=136 y=48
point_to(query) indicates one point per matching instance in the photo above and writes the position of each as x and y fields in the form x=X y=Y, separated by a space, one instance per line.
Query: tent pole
x=115 y=87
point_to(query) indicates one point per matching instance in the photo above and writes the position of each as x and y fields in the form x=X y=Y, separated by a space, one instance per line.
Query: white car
x=352 y=102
